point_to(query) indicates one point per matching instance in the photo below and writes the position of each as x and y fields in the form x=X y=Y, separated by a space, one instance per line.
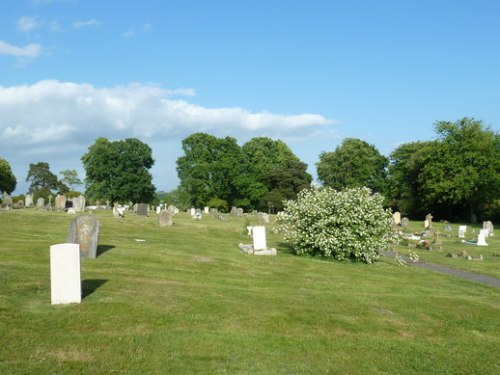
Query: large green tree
x=354 y=163
x=404 y=191
x=70 y=178
x=42 y=181
x=7 y=179
x=119 y=171
x=465 y=169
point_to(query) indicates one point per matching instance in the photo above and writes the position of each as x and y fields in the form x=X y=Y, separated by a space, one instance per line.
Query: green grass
x=187 y=301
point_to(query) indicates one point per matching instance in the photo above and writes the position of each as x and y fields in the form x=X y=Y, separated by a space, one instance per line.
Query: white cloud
x=28 y=51
x=53 y=111
x=87 y=23
x=26 y=24
x=134 y=32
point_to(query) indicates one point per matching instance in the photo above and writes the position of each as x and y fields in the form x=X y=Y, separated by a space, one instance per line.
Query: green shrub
x=220 y=204
x=349 y=224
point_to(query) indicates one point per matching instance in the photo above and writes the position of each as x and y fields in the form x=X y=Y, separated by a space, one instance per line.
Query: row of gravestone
x=61 y=202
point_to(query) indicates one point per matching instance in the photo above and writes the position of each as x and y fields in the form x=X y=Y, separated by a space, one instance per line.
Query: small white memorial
x=65 y=279
x=461 y=231
x=481 y=237
x=259 y=246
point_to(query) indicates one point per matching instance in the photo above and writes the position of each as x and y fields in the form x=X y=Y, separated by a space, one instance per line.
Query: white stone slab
x=461 y=231
x=65 y=279
x=481 y=238
x=259 y=238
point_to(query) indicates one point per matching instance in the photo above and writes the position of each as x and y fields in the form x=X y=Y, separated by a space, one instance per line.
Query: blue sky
x=308 y=72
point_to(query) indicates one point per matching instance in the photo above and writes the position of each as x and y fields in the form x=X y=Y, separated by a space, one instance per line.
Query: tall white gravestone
x=259 y=238
x=65 y=279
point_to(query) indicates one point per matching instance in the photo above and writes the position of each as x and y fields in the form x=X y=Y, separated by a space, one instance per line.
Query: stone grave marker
x=28 y=201
x=405 y=222
x=396 y=216
x=489 y=226
x=192 y=211
x=461 y=231
x=40 y=203
x=265 y=217
x=197 y=216
x=84 y=230
x=79 y=203
x=259 y=237
x=60 y=202
x=165 y=218
x=481 y=237
x=65 y=278
x=239 y=211
x=142 y=209
x=428 y=221
x=206 y=210
x=233 y=210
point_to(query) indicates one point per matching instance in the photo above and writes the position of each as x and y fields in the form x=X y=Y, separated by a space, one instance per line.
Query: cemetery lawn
x=188 y=301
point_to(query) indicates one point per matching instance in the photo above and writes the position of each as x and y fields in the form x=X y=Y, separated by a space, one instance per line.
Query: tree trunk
x=472 y=214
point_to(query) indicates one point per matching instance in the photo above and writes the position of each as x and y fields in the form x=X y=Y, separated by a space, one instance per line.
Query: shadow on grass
x=101 y=249
x=90 y=286
x=286 y=248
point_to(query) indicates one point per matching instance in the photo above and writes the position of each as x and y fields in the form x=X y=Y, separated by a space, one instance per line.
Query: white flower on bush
x=348 y=224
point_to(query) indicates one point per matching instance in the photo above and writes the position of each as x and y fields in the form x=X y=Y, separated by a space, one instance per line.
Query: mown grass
x=187 y=301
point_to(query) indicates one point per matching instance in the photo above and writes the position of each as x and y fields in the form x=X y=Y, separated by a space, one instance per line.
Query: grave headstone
x=71 y=211
x=233 y=210
x=142 y=209
x=481 y=237
x=79 y=203
x=60 y=202
x=118 y=211
x=396 y=216
x=239 y=211
x=28 y=200
x=206 y=210
x=405 y=222
x=197 y=216
x=489 y=226
x=158 y=209
x=461 y=231
x=428 y=219
x=40 y=203
x=214 y=211
x=84 y=230
x=165 y=218
x=7 y=200
x=265 y=217
x=65 y=278
x=259 y=238
x=192 y=211
x=447 y=228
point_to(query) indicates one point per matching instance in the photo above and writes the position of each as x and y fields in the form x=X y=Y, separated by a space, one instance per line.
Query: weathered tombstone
x=118 y=211
x=428 y=221
x=461 y=231
x=233 y=210
x=447 y=228
x=60 y=202
x=214 y=211
x=206 y=210
x=239 y=211
x=7 y=200
x=197 y=216
x=65 y=279
x=40 y=203
x=158 y=209
x=405 y=222
x=84 y=230
x=481 y=237
x=165 y=218
x=135 y=207
x=71 y=211
x=79 y=203
x=142 y=209
x=192 y=211
x=259 y=238
x=176 y=210
x=265 y=217
x=396 y=216
x=28 y=200
x=488 y=225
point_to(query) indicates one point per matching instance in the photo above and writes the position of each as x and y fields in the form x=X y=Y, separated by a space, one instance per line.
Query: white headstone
x=481 y=237
x=206 y=209
x=396 y=216
x=193 y=211
x=461 y=231
x=197 y=216
x=259 y=238
x=65 y=279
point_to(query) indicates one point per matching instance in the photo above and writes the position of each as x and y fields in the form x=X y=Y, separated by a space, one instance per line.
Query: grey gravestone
x=79 y=203
x=265 y=217
x=7 y=200
x=489 y=226
x=214 y=211
x=40 y=203
x=447 y=228
x=239 y=211
x=405 y=221
x=396 y=216
x=234 y=210
x=28 y=200
x=428 y=221
x=165 y=218
x=60 y=203
x=142 y=209
x=84 y=230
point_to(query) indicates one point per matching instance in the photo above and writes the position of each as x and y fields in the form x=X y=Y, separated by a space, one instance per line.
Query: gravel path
x=488 y=280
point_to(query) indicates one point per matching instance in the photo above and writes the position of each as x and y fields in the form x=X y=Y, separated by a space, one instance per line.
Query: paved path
x=488 y=280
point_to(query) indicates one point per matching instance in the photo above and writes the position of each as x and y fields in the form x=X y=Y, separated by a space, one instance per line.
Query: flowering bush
x=348 y=224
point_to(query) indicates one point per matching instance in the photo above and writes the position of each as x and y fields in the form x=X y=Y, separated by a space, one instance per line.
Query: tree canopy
x=70 y=178
x=354 y=163
x=42 y=181
x=219 y=170
x=119 y=171
x=8 y=181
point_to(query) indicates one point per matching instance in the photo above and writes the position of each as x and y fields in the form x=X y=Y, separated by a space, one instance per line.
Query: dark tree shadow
x=101 y=249
x=286 y=248
x=90 y=286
